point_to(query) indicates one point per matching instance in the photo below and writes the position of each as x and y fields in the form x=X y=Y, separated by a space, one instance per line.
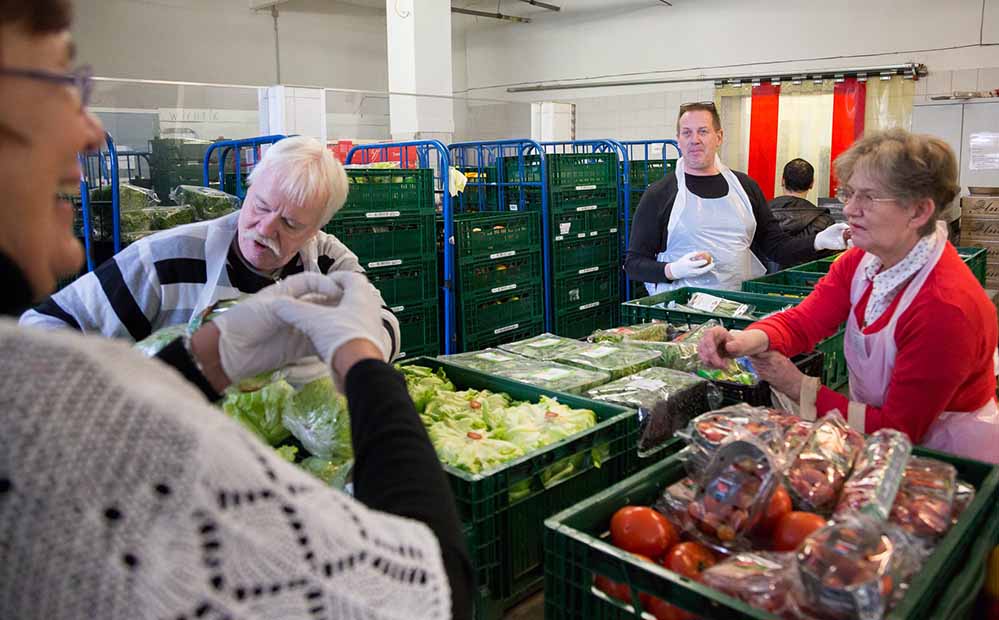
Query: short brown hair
x=700 y=106
x=908 y=166
x=37 y=16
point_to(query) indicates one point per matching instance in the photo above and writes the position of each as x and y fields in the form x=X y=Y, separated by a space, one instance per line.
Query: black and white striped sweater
x=157 y=281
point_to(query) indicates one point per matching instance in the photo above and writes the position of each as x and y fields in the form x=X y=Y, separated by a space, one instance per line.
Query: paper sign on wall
x=984 y=151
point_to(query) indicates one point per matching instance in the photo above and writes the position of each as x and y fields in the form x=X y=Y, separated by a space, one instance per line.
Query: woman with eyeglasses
x=921 y=334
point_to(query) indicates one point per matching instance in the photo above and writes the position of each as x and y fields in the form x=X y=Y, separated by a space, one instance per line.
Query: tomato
x=642 y=530
x=613 y=589
x=689 y=559
x=780 y=505
x=663 y=610
x=793 y=528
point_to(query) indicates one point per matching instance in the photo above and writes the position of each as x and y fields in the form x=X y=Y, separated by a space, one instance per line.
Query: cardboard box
x=980 y=205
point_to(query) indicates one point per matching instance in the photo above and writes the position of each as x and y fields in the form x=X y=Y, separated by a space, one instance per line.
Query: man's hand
x=690 y=265
x=718 y=345
x=779 y=372
x=833 y=238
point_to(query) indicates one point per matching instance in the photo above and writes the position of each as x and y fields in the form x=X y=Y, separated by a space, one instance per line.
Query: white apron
x=722 y=226
x=871 y=360
x=220 y=236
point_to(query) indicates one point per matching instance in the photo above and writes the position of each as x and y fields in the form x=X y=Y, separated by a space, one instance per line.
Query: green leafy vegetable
x=647 y=332
x=320 y=421
x=472 y=451
x=207 y=203
x=333 y=473
x=154 y=342
x=617 y=360
x=288 y=453
x=423 y=384
x=544 y=347
x=263 y=410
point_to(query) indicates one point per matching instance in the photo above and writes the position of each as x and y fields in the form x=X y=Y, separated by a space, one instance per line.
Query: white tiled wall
x=946 y=82
x=638 y=116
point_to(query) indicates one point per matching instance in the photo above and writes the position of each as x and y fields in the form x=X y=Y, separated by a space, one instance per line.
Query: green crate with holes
x=405 y=190
x=401 y=287
x=593 y=253
x=419 y=330
x=503 y=234
x=565 y=170
x=492 y=276
x=584 y=222
x=385 y=241
x=585 y=292
x=495 y=314
x=581 y=324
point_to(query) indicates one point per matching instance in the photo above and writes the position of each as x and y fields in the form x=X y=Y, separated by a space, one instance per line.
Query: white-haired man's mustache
x=271 y=244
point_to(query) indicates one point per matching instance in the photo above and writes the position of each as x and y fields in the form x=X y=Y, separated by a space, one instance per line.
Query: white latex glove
x=253 y=338
x=832 y=238
x=690 y=265
x=356 y=316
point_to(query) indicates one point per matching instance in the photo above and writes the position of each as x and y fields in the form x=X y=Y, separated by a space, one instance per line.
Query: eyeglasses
x=861 y=199
x=81 y=78
x=710 y=105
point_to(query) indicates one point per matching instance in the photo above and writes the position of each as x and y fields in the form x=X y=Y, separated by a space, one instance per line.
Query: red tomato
x=793 y=528
x=689 y=559
x=780 y=505
x=642 y=530
x=613 y=589
x=663 y=610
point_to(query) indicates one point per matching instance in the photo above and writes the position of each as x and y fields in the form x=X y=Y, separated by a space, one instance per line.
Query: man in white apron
x=169 y=277
x=706 y=225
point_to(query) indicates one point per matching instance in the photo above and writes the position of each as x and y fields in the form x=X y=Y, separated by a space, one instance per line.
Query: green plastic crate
x=419 y=330
x=584 y=222
x=492 y=236
x=563 y=199
x=385 y=241
x=585 y=292
x=958 y=601
x=478 y=197
x=487 y=341
x=492 y=276
x=406 y=190
x=589 y=255
x=834 y=371
x=576 y=548
x=788 y=282
x=409 y=285
x=581 y=324
x=977 y=260
x=642 y=173
x=503 y=510
x=501 y=313
x=581 y=171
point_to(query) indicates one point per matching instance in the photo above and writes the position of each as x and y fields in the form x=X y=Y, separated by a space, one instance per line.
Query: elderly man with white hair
x=168 y=277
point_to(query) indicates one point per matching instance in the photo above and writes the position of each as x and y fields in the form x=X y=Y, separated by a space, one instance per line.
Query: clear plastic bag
x=924 y=505
x=208 y=203
x=544 y=347
x=545 y=374
x=737 y=486
x=819 y=470
x=666 y=401
x=132 y=197
x=851 y=569
x=761 y=579
x=674 y=500
x=644 y=332
x=708 y=432
x=963 y=496
x=619 y=361
x=876 y=476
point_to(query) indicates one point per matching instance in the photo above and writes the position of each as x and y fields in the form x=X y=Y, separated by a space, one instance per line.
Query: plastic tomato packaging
x=761 y=579
x=876 y=476
x=924 y=506
x=818 y=472
x=963 y=496
x=709 y=431
x=851 y=569
x=675 y=498
x=737 y=487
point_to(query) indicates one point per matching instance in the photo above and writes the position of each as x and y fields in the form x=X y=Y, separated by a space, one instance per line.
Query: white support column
x=553 y=122
x=419 y=61
x=287 y=110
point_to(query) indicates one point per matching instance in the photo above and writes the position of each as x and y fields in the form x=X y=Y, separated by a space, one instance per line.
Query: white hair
x=307 y=174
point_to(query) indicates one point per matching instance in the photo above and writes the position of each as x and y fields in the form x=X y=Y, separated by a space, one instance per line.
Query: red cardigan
x=945 y=342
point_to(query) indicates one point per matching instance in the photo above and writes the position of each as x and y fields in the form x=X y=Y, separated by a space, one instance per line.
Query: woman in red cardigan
x=921 y=334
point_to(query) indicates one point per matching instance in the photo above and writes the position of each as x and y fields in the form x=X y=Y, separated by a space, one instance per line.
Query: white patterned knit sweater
x=124 y=494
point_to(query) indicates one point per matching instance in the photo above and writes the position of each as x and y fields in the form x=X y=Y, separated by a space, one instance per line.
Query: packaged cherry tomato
x=737 y=487
x=924 y=506
x=795 y=437
x=761 y=579
x=674 y=500
x=877 y=475
x=819 y=471
x=709 y=431
x=851 y=569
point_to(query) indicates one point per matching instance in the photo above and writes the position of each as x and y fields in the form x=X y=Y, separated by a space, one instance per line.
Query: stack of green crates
x=388 y=222
x=469 y=200
x=174 y=162
x=585 y=242
x=498 y=278
x=641 y=174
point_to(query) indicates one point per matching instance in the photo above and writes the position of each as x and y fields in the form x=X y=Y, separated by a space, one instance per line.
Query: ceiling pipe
x=509 y=18
x=543 y=5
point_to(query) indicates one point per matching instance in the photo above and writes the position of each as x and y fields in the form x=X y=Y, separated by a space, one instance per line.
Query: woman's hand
x=718 y=345
x=779 y=372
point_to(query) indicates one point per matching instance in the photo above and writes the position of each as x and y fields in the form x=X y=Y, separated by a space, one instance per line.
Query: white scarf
x=889 y=282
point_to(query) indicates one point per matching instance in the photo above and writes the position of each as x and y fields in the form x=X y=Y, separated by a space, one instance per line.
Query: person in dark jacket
x=796 y=215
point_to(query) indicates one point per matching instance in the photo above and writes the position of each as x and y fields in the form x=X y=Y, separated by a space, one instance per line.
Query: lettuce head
x=263 y=410
x=320 y=421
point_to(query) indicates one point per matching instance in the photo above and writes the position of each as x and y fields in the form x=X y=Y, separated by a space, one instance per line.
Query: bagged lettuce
x=543 y=347
x=472 y=451
x=643 y=332
x=165 y=218
x=263 y=410
x=423 y=384
x=154 y=342
x=208 y=203
x=333 y=473
x=537 y=372
x=319 y=420
x=619 y=361
x=491 y=361
x=132 y=197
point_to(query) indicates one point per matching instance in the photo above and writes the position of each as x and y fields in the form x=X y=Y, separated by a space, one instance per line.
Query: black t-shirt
x=648 y=230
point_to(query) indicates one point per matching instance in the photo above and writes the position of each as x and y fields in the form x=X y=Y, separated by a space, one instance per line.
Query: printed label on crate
x=588 y=306
x=564 y=228
x=401 y=355
x=502 y=254
x=500 y=289
x=594 y=233
x=559 y=238
x=379 y=214
x=580 y=235
x=589 y=270
x=544 y=342
x=553 y=374
x=385 y=263
x=581 y=188
x=647 y=384
x=514 y=206
x=398 y=308
x=494 y=357
x=587 y=208
x=599 y=352
x=612 y=231
x=508 y=328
